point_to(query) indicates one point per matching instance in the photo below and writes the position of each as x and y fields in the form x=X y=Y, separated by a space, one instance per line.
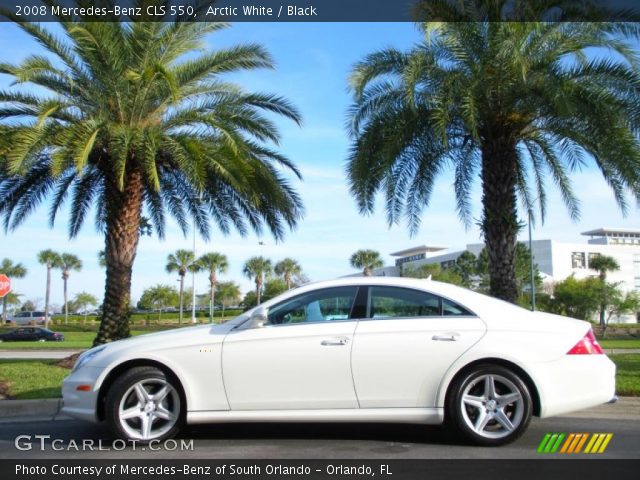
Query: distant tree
x=158 y=297
x=52 y=260
x=288 y=269
x=212 y=263
x=250 y=300
x=83 y=300
x=621 y=304
x=258 y=268
x=68 y=262
x=367 y=261
x=577 y=298
x=28 y=306
x=11 y=270
x=435 y=271
x=603 y=264
x=228 y=294
x=272 y=288
x=181 y=261
x=466 y=268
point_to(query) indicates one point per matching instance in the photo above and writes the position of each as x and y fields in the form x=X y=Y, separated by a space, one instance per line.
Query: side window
x=395 y=302
x=330 y=304
x=451 y=308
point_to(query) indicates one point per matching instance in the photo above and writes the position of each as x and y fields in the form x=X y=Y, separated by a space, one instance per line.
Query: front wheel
x=490 y=405
x=144 y=404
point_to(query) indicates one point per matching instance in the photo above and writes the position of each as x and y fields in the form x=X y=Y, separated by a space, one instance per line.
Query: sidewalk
x=36 y=354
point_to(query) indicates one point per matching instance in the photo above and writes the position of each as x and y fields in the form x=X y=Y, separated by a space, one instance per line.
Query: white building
x=556 y=260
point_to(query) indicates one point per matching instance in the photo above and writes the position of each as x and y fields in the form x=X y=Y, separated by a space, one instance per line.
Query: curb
x=30 y=410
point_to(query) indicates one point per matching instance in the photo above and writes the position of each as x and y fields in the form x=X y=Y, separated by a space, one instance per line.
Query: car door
x=299 y=360
x=19 y=334
x=404 y=347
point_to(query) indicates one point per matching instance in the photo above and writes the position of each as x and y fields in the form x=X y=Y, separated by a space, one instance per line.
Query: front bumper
x=81 y=404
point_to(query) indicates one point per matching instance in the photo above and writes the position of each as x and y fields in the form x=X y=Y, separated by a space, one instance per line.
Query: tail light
x=588 y=345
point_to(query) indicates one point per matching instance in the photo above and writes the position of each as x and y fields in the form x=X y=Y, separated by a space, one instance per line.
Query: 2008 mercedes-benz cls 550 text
x=373 y=349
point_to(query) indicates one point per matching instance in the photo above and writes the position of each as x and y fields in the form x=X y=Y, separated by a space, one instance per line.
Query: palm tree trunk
x=121 y=241
x=287 y=279
x=181 y=298
x=46 y=298
x=258 y=288
x=212 y=305
x=499 y=221
x=66 y=305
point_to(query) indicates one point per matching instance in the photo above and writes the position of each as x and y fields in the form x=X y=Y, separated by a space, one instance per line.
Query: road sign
x=5 y=285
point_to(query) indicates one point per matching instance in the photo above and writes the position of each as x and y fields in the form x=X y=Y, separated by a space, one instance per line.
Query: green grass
x=620 y=343
x=627 y=374
x=29 y=379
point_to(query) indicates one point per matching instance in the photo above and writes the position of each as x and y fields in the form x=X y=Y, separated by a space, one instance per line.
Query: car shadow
x=395 y=433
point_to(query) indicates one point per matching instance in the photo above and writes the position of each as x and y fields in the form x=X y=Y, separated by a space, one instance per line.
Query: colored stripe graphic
x=573 y=443
x=551 y=442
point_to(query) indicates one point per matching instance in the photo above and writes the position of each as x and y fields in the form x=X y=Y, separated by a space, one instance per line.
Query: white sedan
x=350 y=350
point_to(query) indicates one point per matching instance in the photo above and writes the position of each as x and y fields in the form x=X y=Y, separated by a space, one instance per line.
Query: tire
x=145 y=404
x=500 y=395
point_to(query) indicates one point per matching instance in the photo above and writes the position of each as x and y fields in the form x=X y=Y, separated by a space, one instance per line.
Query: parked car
x=376 y=349
x=28 y=318
x=28 y=334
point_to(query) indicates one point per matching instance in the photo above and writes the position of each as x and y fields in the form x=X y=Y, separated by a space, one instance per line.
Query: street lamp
x=533 y=282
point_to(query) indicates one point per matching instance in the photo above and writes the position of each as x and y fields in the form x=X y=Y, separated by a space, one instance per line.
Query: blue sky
x=313 y=62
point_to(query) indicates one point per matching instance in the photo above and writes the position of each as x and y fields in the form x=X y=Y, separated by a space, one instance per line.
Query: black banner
x=586 y=469
x=318 y=10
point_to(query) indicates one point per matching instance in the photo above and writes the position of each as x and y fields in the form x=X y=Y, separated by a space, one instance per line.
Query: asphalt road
x=319 y=441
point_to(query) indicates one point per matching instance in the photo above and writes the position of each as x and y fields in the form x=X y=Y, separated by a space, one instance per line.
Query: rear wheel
x=490 y=405
x=145 y=404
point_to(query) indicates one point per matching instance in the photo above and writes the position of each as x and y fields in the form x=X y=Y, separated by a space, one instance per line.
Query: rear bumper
x=575 y=382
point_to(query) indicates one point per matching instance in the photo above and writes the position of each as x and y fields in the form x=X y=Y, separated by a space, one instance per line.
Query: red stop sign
x=5 y=285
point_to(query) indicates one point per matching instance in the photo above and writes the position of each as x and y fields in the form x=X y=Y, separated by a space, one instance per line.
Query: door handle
x=446 y=337
x=334 y=342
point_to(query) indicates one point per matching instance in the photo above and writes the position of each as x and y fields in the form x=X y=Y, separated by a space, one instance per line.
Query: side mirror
x=258 y=318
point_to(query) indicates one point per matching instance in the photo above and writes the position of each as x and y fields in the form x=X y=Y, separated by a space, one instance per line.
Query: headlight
x=86 y=356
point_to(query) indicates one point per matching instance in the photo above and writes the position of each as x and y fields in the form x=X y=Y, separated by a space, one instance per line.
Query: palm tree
x=288 y=268
x=101 y=260
x=181 y=261
x=603 y=264
x=257 y=268
x=84 y=300
x=367 y=261
x=509 y=103
x=68 y=262
x=137 y=117
x=214 y=263
x=52 y=260
x=11 y=270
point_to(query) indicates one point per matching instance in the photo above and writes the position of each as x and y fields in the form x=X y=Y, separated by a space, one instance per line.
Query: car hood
x=167 y=339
